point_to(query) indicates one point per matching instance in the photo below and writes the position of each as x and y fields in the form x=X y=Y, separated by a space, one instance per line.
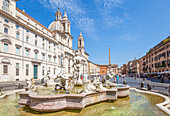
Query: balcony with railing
x=35 y=60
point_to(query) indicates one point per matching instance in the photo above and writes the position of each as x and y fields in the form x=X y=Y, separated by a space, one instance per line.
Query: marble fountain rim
x=74 y=95
x=10 y=92
x=161 y=106
x=65 y=95
x=45 y=103
x=124 y=86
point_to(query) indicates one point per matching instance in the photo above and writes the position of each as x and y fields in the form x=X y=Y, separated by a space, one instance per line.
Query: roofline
x=103 y=65
x=156 y=48
x=32 y=19
x=92 y=62
x=86 y=53
x=108 y=65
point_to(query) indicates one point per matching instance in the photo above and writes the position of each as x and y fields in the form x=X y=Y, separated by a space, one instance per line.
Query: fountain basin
x=51 y=103
x=136 y=103
x=123 y=90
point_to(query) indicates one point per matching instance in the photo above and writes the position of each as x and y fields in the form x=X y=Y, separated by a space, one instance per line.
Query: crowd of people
x=161 y=77
x=115 y=78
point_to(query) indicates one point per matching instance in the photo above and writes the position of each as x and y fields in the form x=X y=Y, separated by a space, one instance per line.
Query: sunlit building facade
x=28 y=49
x=157 y=59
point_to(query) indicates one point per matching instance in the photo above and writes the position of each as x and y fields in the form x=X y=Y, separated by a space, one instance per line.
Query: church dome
x=52 y=26
x=55 y=25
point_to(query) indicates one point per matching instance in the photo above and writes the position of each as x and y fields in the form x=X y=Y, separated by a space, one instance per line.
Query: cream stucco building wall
x=28 y=49
x=93 y=68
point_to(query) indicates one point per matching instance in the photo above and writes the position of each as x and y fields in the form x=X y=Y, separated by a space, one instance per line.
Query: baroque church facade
x=28 y=49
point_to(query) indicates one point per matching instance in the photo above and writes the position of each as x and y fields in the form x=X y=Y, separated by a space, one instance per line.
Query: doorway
x=35 y=71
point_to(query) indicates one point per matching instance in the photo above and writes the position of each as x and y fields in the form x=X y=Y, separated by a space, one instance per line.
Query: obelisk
x=109 y=56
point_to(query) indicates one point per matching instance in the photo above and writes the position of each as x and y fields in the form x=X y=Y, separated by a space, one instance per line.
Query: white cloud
x=112 y=21
x=108 y=12
x=127 y=16
x=79 y=15
x=130 y=36
x=75 y=13
x=108 y=4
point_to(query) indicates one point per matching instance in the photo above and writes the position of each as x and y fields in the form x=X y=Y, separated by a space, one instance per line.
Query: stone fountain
x=92 y=93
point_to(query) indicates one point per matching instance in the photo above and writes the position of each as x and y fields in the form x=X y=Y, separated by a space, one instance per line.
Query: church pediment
x=36 y=50
x=6 y=40
x=5 y=61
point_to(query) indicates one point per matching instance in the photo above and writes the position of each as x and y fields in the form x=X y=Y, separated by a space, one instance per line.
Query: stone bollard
x=142 y=85
x=149 y=86
x=1 y=88
x=169 y=88
x=16 y=86
x=124 y=82
x=23 y=86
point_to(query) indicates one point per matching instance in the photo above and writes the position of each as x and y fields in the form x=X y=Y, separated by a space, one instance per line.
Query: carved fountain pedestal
x=51 y=103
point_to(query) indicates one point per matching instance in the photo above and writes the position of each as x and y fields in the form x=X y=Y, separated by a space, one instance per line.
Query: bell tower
x=80 y=44
x=66 y=23
x=58 y=19
x=58 y=14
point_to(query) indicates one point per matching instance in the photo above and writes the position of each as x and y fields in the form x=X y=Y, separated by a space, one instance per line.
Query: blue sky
x=130 y=27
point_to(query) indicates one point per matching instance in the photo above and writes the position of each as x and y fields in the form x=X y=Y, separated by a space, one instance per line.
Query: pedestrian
x=166 y=77
x=81 y=77
x=159 y=76
x=117 y=78
x=162 y=79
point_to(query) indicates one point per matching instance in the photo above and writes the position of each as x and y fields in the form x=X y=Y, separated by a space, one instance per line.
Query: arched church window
x=58 y=17
x=5 y=6
x=68 y=28
x=80 y=42
x=63 y=26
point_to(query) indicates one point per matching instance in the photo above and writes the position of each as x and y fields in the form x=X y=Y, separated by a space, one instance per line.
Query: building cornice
x=26 y=26
x=86 y=53
x=19 y=57
x=93 y=63
x=59 y=32
x=8 y=37
x=157 y=47
x=32 y=19
x=69 y=53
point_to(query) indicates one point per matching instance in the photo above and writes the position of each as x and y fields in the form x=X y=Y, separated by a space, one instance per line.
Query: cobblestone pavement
x=158 y=80
x=163 y=88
